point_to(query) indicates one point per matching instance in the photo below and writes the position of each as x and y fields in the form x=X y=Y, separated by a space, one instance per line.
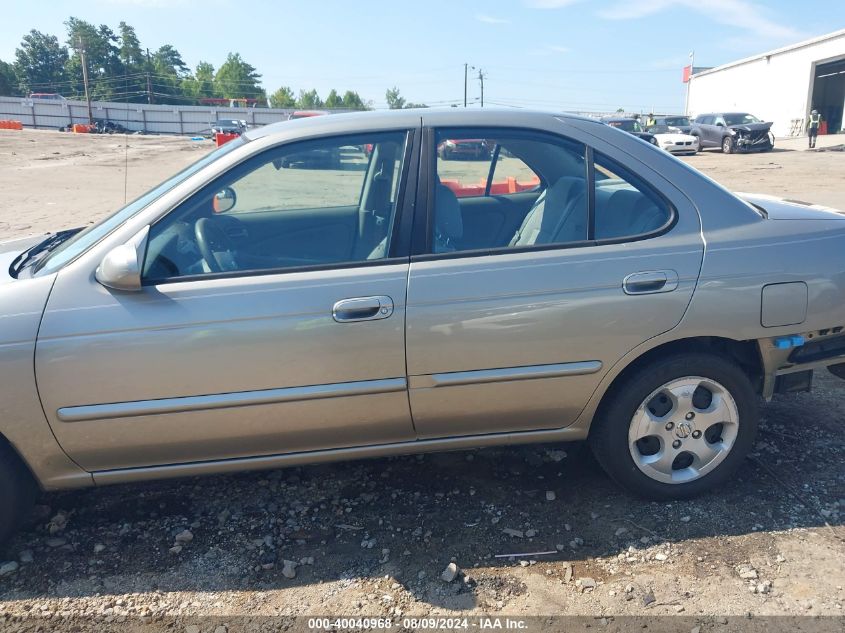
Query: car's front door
x=271 y=319
x=516 y=336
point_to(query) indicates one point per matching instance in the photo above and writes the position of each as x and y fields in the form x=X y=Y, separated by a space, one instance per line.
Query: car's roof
x=453 y=117
x=618 y=118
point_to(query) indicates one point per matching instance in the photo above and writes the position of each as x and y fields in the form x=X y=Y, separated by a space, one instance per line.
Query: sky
x=576 y=55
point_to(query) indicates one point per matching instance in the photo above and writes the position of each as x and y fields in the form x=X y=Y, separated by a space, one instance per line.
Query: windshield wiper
x=35 y=253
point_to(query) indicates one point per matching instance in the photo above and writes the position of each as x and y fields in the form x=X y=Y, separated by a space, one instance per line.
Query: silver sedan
x=330 y=288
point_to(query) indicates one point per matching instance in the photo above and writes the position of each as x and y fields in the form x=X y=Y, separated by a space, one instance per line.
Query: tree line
x=121 y=69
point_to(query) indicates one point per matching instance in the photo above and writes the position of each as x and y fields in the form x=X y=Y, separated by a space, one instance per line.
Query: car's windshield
x=227 y=122
x=740 y=118
x=83 y=240
x=677 y=120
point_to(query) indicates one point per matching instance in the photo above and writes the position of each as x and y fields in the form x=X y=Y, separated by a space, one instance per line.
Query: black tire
x=17 y=492
x=609 y=432
x=700 y=145
x=727 y=145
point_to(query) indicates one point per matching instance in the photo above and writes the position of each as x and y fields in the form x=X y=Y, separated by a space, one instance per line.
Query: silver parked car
x=250 y=313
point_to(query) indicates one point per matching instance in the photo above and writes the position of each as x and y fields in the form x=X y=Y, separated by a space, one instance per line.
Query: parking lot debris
x=567 y=573
x=56 y=541
x=514 y=533
x=747 y=572
x=550 y=495
x=185 y=536
x=9 y=567
x=354 y=528
x=585 y=583
x=648 y=598
x=289 y=569
x=450 y=573
x=26 y=556
x=556 y=455
x=525 y=554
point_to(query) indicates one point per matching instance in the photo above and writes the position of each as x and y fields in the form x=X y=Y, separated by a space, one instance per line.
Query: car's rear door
x=517 y=337
x=296 y=344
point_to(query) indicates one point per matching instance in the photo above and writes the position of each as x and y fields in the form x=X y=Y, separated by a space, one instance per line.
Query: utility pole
x=465 y=84
x=85 y=80
x=149 y=84
x=481 y=79
x=689 y=81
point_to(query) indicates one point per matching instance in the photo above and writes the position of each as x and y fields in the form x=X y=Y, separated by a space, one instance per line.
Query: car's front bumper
x=679 y=146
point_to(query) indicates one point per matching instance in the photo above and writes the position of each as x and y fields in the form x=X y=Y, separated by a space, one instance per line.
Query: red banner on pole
x=687 y=73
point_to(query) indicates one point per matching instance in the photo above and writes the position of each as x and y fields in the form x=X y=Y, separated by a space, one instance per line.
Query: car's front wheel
x=727 y=145
x=17 y=491
x=678 y=427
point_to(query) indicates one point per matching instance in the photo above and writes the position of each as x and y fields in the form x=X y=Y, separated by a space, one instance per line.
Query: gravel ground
x=507 y=531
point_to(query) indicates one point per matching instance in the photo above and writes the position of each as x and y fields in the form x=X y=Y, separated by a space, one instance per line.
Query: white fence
x=154 y=119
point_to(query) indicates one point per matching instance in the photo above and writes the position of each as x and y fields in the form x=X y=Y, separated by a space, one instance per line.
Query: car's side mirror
x=120 y=269
x=719 y=124
x=224 y=200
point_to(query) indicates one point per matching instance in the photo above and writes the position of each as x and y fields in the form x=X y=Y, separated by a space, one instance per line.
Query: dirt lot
x=374 y=537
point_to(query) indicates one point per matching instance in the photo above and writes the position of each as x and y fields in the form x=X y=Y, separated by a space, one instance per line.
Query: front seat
x=559 y=215
x=448 y=223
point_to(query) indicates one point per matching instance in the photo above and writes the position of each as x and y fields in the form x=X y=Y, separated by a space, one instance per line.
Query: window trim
x=401 y=225
x=426 y=201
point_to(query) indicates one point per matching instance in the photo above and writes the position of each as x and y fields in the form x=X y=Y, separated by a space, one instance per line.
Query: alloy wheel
x=683 y=430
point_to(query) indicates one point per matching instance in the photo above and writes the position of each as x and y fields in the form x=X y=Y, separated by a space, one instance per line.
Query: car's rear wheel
x=17 y=491
x=700 y=145
x=677 y=428
x=727 y=145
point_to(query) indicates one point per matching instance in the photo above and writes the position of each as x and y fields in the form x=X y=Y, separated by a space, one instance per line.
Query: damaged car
x=243 y=315
x=733 y=132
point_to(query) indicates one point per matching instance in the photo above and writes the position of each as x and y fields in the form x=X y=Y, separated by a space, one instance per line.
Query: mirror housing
x=120 y=269
x=224 y=200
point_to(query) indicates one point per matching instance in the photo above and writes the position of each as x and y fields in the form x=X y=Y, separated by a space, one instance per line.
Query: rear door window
x=472 y=167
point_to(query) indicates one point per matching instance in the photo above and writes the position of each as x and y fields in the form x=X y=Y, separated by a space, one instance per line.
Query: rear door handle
x=650 y=282
x=362 y=309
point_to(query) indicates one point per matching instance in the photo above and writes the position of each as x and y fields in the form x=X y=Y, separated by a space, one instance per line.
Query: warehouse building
x=781 y=86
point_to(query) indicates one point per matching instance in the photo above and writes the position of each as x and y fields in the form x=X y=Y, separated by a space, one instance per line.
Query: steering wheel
x=215 y=245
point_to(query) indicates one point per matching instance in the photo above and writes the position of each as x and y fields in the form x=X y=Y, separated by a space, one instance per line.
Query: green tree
x=309 y=100
x=334 y=100
x=168 y=73
x=40 y=63
x=201 y=84
x=8 y=80
x=135 y=64
x=353 y=101
x=283 y=98
x=106 y=72
x=236 y=78
x=131 y=55
x=395 y=101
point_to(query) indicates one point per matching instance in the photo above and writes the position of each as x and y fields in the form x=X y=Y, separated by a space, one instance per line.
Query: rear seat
x=622 y=211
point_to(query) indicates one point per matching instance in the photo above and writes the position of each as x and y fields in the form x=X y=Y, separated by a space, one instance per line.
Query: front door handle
x=362 y=309
x=650 y=282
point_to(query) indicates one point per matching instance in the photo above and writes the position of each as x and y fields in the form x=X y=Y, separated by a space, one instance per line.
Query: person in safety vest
x=813 y=124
